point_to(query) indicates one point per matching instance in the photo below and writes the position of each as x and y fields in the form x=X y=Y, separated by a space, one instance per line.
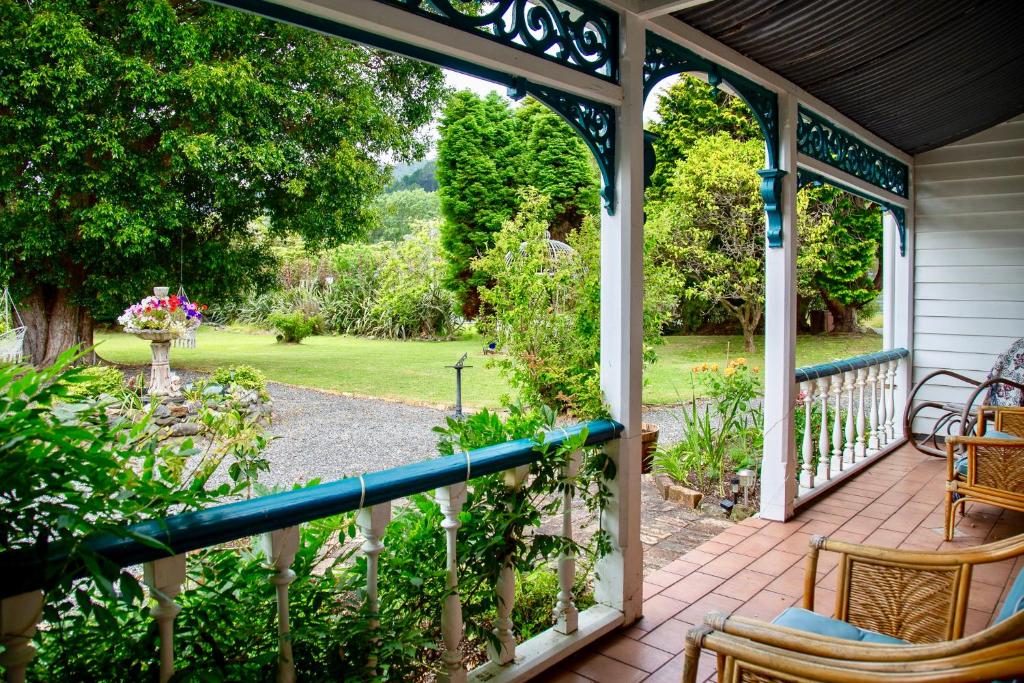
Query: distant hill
x=422 y=174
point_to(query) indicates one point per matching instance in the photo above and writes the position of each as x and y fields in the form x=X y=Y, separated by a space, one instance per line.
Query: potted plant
x=159 y=319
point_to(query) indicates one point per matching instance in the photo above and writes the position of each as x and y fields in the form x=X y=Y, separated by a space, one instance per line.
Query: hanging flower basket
x=162 y=318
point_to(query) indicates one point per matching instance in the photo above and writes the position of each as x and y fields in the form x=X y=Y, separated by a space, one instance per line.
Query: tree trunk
x=54 y=325
x=844 y=318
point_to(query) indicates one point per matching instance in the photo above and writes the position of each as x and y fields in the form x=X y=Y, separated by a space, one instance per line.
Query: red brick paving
x=756 y=568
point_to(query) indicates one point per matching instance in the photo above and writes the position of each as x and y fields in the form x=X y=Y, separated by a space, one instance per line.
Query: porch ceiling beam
x=843 y=178
x=458 y=46
x=673 y=29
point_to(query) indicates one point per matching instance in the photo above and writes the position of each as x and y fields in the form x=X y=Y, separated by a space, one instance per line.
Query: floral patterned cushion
x=1010 y=365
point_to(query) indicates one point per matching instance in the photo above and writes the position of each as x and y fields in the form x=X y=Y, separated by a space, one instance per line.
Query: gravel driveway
x=328 y=436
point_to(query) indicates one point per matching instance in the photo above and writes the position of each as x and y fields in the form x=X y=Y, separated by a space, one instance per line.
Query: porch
x=756 y=569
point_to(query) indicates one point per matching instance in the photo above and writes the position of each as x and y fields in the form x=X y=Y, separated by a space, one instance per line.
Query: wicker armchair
x=918 y=597
x=1004 y=386
x=984 y=470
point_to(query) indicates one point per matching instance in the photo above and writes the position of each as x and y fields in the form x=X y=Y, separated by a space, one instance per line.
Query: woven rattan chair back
x=916 y=604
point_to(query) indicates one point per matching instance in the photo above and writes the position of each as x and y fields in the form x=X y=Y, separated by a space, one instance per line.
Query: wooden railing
x=849 y=417
x=276 y=518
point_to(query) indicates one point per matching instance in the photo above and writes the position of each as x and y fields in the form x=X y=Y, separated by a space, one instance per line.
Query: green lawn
x=414 y=370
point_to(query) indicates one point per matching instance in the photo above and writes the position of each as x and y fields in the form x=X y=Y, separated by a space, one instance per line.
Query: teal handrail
x=855 y=363
x=35 y=568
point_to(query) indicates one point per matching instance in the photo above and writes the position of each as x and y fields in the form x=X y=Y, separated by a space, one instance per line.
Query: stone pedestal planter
x=160 y=380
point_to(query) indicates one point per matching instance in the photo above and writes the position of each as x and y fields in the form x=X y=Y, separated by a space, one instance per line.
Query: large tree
x=141 y=135
x=488 y=155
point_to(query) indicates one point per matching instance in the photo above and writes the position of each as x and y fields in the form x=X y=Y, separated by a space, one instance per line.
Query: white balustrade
x=19 y=616
x=824 y=466
x=836 y=382
x=505 y=651
x=807 y=469
x=566 y=614
x=372 y=522
x=280 y=547
x=164 y=578
x=857 y=421
x=451 y=499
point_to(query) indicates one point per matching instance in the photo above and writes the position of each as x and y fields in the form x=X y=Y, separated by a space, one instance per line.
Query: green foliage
x=423 y=177
x=689 y=111
x=293 y=327
x=477 y=172
x=709 y=227
x=245 y=376
x=94 y=381
x=720 y=435
x=839 y=261
x=147 y=126
x=488 y=155
x=402 y=212
x=544 y=310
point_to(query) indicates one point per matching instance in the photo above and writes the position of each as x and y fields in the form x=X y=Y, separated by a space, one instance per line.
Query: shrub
x=245 y=376
x=94 y=381
x=293 y=327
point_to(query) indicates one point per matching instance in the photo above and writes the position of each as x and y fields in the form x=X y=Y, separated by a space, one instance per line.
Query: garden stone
x=685 y=496
x=179 y=411
x=213 y=390
x=185 y=429
x=663 y=482
x=161 y=412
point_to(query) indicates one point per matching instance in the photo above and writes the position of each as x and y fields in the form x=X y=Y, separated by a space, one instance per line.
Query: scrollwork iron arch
x=664 y=58
x=805 y=178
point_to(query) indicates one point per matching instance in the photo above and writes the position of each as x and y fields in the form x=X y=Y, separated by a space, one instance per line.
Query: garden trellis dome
x=12 y=331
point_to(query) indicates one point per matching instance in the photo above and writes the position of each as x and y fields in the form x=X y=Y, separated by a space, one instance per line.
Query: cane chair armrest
x=810 y=643
x=925 y=593
x=743 y=659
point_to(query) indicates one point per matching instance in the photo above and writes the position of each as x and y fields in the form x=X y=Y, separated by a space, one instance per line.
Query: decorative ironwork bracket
x=665 y=58
x=579 y=34
x=805 y=178
x=592 y=120
x=821 y=139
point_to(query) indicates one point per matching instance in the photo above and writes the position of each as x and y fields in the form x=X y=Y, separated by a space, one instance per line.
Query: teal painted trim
x=819 y=138
x=664 y=58
x=579 y=34
x=805 y=177
x=840 y=366
x=40 y=567
x=311 y=22
x=594 y=121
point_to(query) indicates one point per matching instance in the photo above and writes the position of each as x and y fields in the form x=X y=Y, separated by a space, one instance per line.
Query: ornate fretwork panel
x=821 y=139
x=665 y=58
x=592 y=120
x=805 y=178
x=576 y=33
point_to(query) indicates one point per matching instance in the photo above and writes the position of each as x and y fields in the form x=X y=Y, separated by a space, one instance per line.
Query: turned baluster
x=505 y=651
x=858 y=449
x=451 y=499
x=19 y=615
x=164 y=578
x=372 y=522
x=837 y=422
x=848 y=450
x=566 y=614
x=807 y=470
x=883 y=415
x=873 y=441
x=279 y=548
x=890 y=398
x=824 y=469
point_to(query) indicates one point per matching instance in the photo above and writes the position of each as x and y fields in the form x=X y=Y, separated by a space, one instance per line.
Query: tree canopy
x=402 y=212
x=487 y=155
x=138 y=136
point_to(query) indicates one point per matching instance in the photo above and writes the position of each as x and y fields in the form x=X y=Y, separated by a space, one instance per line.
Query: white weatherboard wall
x=968 y=256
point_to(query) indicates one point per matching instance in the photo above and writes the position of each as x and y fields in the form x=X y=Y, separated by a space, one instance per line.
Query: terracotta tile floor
x=755 y=568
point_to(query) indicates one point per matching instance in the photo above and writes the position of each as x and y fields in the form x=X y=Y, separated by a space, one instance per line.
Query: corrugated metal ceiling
x=918 y=73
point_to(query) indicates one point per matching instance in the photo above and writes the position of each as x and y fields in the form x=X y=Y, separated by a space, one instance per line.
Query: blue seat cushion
x=993 y=434
x=804 y=620
x=1014 y=599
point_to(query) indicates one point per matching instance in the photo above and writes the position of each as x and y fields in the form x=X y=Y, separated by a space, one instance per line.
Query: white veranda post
x=778 y=469
x=897 y=304
x=621 y=572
